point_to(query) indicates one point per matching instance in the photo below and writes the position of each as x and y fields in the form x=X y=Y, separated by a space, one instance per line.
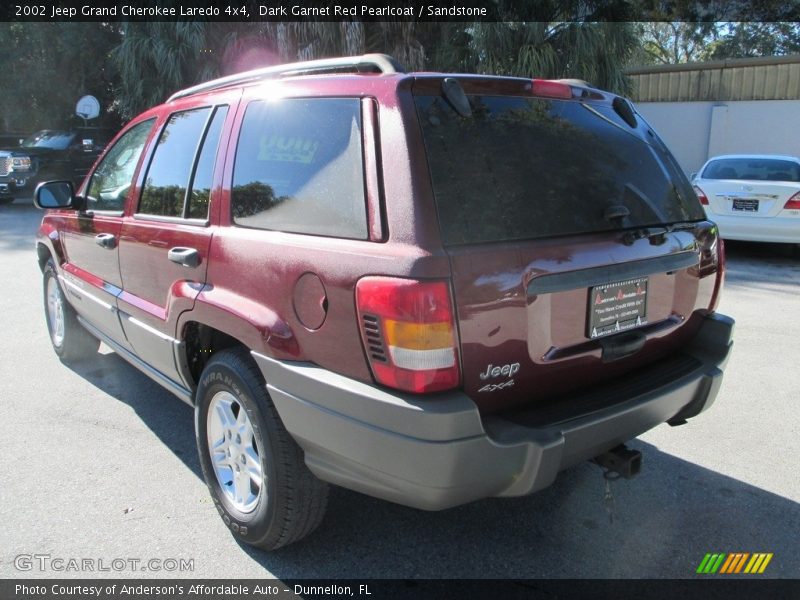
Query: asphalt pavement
x=99 y=463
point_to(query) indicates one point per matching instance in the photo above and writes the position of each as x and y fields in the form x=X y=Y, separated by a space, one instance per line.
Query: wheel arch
x=221 y=320
x=48 y=245
x=199 y=342
x=43 y=254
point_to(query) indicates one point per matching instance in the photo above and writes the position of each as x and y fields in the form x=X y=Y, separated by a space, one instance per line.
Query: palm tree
x=596 y=52
x=154 y=59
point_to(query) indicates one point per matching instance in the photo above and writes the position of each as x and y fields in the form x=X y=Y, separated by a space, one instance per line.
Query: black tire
x=74 y=343
x=292 y=501
x=6 y=200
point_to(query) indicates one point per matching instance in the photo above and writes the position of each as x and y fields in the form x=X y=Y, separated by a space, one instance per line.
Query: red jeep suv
x=428 y=288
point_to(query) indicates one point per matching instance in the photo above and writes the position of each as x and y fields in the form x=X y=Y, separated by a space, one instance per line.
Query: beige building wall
x=738 y=106
x=696 y=131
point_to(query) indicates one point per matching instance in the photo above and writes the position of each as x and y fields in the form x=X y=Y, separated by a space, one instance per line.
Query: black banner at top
x=400 y=10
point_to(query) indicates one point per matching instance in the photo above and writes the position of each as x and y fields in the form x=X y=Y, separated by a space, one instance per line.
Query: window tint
x=299 y=168
x=201 y=185
x=112 y=179
x=522 y=168
x=753 y=169
x=170 y=168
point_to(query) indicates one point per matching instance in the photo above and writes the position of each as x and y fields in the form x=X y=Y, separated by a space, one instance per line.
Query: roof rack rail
x=368 y=63
x=577 y=82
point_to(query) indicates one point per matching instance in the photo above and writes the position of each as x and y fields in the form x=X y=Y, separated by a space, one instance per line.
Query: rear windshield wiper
x=656 y=234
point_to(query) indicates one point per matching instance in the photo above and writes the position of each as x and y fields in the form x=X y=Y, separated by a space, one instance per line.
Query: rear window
x=56 y=140
x=523 y=168
x=753 y=169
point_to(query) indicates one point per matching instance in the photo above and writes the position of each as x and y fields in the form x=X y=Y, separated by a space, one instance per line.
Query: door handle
x=188 y=257
x=106 y=240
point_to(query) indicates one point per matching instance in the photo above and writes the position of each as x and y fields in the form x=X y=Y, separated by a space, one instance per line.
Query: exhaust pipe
x=620 y=461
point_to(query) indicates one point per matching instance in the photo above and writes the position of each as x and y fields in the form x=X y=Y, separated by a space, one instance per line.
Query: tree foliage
x=155 y=59
x=132 y=66
x=595 y=52
x=684 y=41
x=47 y=67
x=672 y=42
x=742 y=40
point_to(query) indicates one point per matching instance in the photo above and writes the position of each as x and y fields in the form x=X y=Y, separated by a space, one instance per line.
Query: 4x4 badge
x=493 y=387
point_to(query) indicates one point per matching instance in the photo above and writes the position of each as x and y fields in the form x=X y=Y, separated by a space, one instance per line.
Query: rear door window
x=753 y=169
x=524 y=168
x=178 y=180
x=299 y=168
x=198 y=199
x=167 y=178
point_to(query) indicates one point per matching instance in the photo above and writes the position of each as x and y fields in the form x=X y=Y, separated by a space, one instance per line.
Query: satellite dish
x=87 y=108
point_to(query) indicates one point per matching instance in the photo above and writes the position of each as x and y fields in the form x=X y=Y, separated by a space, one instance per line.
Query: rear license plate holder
x=745 y=204
x=615 y=307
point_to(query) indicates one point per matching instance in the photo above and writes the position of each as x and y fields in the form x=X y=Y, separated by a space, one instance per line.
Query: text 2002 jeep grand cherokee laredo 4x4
x=427 y=288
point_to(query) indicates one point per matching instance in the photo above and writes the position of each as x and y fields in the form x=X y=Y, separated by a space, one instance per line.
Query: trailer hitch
x=617 y=463
x=620 y=462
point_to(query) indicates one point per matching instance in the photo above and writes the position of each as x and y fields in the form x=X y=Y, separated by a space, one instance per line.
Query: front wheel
x=70 y=340
x=254 y=470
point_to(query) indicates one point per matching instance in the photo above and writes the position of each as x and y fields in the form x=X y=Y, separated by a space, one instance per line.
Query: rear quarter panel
x=252 y=290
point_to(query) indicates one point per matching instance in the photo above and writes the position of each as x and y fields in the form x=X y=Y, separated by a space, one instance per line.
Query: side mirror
x=56 y=194
x=693 y=176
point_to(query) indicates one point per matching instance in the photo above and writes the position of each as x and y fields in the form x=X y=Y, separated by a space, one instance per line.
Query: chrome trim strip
x=148 y=328
x=88 y=295
x=550 y=283
x=166 y=219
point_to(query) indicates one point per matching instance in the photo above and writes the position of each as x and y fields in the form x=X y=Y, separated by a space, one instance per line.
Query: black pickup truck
x=49 y=154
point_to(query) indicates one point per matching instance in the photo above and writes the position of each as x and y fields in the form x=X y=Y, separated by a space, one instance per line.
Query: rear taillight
x=409 y=334
x=551 y=89
x=701 y=195
x=712 y=260
x=720 y=275
x=793 y=203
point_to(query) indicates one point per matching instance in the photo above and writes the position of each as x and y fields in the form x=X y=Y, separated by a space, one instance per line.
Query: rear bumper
x=784 y=230
x=437 y=452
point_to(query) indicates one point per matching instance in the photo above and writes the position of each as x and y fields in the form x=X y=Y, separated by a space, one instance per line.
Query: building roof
x=762 y=78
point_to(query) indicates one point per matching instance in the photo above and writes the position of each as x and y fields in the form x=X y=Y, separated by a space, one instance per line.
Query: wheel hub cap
x=55 y=312
x=234 y=452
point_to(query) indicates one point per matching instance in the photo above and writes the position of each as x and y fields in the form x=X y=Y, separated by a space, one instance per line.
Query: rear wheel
x=254 y=470
x=70 y=340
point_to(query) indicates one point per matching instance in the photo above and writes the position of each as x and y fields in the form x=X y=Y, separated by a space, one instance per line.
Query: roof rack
x=577 y=82
x=368 y=63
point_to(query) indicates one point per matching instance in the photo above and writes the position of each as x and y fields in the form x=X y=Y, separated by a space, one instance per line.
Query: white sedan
x=752 y=197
